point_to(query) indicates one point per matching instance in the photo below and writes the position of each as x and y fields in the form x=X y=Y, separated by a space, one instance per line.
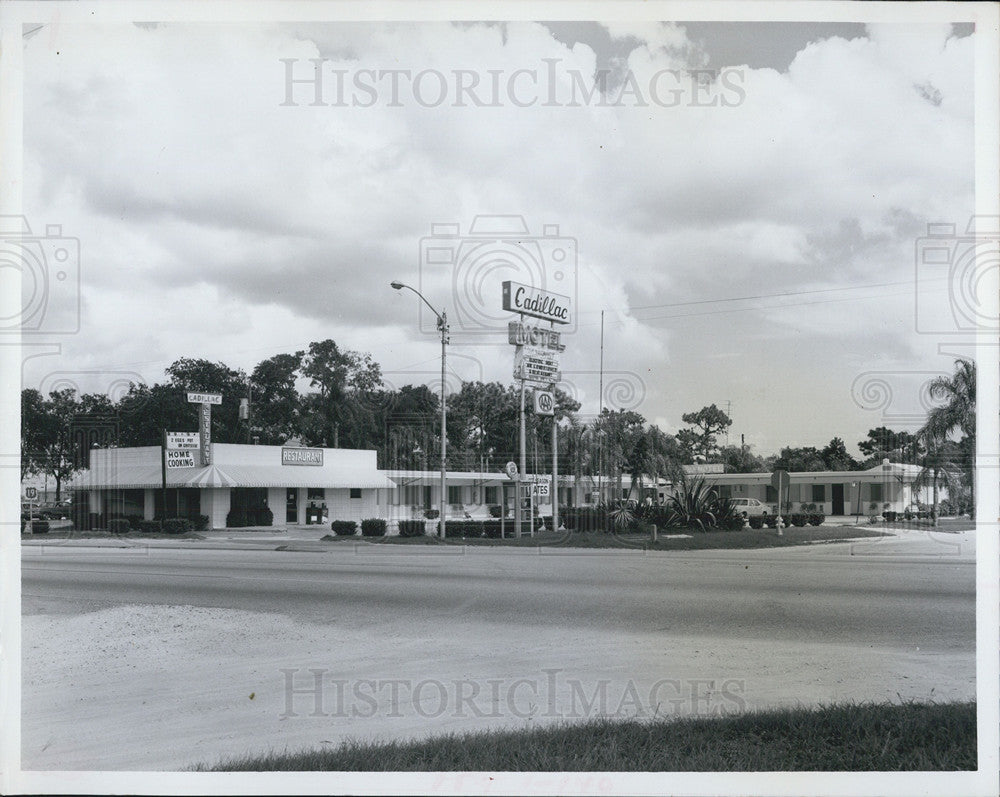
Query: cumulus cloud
x=223 y=213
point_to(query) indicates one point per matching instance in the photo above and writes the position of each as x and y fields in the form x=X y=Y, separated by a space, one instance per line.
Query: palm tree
x=940 y=465
x=957 y=412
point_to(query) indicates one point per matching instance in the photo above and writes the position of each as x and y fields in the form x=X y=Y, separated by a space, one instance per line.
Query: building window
x=454 y=494
x=819 y=493
x=770 y=494
x=355 y=492
x=725 y=491
x=876 y=492
x=492 y=495
x=316 y=494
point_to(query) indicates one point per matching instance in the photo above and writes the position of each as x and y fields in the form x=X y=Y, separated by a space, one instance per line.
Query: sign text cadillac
x=301 y=456
x=518 y=298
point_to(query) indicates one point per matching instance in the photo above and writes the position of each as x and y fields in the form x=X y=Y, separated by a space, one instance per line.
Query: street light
x=442 y=325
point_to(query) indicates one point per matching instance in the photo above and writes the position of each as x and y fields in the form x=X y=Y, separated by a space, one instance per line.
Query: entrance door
x=292 y=505
x=838 y=499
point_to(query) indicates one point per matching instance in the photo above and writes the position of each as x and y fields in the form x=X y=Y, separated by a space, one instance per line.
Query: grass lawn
x=748 y=538
x=69 y=534
x=907 y=737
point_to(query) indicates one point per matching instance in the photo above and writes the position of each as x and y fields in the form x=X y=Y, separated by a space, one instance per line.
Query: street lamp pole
x=442 y=325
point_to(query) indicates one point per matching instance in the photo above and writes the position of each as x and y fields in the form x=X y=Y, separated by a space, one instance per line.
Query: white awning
x=115 y=476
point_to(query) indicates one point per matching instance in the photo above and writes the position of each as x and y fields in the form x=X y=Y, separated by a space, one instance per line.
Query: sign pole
x=163 y=475
x=523 y=464
x=555 y=473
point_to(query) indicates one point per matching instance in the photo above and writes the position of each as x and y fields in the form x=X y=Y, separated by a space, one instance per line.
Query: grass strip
x=699 y=540
x=843 y=737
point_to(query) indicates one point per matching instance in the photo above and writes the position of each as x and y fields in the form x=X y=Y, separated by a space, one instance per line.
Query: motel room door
x=837 y=497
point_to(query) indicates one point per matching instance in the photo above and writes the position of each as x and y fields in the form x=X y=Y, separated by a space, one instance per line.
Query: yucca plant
x=694 y=503
x=622 y=515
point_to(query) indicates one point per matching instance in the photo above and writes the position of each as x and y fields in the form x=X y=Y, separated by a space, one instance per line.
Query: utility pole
x=600 y=412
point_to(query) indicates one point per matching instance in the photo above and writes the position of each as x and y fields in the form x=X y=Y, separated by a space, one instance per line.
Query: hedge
x=37 y=526
x=177 y=525
x=463 y=528
x=344 y=528
x=412 y=528
x=373 y=527
x=119 y=526
x=150 y=526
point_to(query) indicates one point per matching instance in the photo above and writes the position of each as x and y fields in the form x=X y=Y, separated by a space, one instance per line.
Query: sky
x=746 y=204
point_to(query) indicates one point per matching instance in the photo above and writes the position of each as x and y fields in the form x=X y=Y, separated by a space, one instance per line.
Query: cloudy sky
x=744 y=202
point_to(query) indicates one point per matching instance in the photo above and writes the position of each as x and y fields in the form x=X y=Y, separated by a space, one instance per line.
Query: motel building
x=303 y=486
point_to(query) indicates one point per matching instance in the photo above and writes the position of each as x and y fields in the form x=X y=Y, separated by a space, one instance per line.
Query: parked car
x=750 y=506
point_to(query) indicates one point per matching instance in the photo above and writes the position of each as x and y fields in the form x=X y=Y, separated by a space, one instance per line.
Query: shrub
x=468 y=529
x=431 y=514
x=890 y=516
x=237 y=519
x=588 y=518
x=38 y=526
x=200 y=523
x=344 y=528
x=264 y=517
x=495 y=510
x=119 y=526
x=816 y=518
x=756 y=521
x=177 y=525
x=373 y=527
x=412 y=528
x=734 y=523
x=491 y=529
x=150 y=527
x=771 y=521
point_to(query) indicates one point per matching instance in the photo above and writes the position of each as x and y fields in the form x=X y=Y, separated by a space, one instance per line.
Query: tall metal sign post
x=535 y=359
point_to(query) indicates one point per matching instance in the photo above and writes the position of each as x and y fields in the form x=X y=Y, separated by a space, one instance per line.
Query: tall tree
x=741 y=459
x=276 y=405
x=54 y=436
x=835 y=456
x=345 y=380
x=706 y=423
x=204 y=376
x=806 y=458
x=884 y=443
x=33 y=432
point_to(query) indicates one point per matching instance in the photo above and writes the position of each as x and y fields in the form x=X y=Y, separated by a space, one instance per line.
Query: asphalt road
x=859 y=600
x=161 y=657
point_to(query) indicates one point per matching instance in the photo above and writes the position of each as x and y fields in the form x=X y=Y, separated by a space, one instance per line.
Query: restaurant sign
x=519 y=298
x=301 y=456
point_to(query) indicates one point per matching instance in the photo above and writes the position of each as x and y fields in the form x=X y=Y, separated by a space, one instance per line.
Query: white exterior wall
x=343 y=507
x=215 y=503
x=276 y=503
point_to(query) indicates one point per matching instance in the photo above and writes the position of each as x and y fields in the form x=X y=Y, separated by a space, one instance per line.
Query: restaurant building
x=297 y=485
